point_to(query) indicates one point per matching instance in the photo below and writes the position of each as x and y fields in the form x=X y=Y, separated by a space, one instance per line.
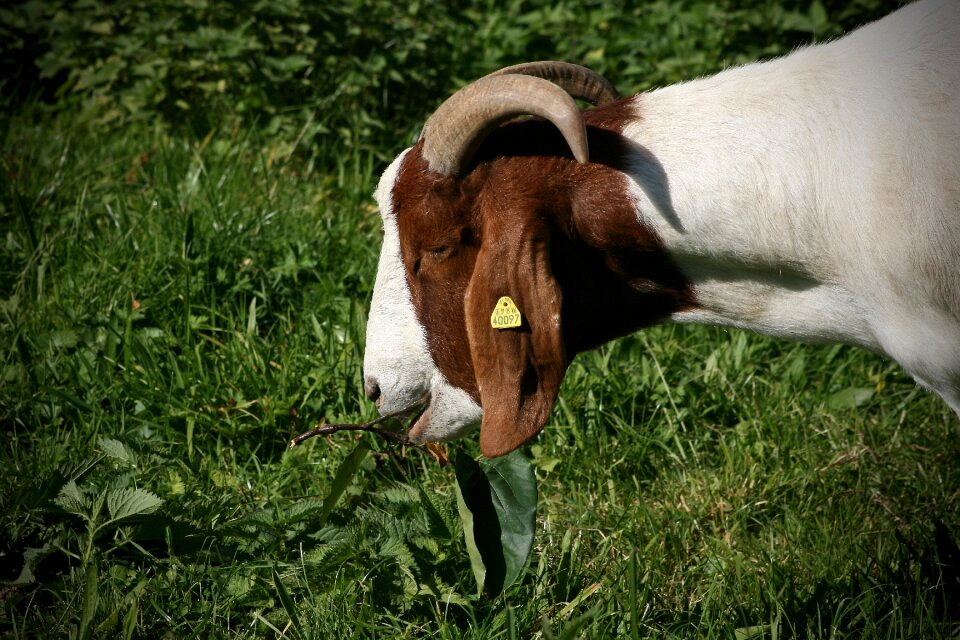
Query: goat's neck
x=734 y=180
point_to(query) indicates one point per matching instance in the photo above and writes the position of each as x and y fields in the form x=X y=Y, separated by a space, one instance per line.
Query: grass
x=173 y=308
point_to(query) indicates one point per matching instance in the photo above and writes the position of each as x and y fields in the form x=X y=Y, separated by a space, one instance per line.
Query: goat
x=813 y=197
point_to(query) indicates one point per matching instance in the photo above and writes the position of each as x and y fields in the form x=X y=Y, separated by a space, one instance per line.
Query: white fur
x=396 y=355
x=817 y=197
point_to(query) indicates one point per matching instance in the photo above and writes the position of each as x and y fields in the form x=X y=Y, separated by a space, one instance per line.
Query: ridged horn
x=578 y=81
x=455 y=130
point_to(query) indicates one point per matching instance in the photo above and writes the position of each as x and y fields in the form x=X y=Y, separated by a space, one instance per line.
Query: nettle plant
x=496 y=501
x=104 y=533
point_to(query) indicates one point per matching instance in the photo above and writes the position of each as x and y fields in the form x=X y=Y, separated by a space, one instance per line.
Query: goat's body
x=817 y=197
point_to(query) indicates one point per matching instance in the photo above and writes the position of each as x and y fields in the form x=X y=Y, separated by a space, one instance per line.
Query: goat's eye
x=440 y=252
x=432 y=255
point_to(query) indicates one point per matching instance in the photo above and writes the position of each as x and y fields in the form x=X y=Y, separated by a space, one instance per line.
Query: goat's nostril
x=372 y=389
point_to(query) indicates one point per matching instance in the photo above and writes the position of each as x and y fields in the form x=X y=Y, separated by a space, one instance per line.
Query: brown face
x=562 y=239
x=439 y=241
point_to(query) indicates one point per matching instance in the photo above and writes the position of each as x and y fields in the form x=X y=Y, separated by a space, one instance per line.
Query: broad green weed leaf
x=32 y=557
x=514 y=490
x=754 y=632
x=497 y=499
x=396 y=549
x=818 y=16
x=124 y=503
x=117 y=451
x=71 y=500
x=302 y=510
x=438 y=526
x=850 y=398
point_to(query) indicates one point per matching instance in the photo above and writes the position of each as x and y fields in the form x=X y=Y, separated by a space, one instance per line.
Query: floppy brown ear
x=518 y=370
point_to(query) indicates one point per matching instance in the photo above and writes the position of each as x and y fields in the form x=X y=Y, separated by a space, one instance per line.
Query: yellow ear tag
x=505 y=315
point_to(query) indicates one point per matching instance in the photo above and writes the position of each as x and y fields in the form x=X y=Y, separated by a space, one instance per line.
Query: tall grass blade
x=286 y=600
x=130 y=619
x=634 y=596
x=91 y=598
x=344 y=476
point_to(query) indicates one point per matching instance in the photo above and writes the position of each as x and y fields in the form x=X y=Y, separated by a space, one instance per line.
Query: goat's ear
x=518 y=370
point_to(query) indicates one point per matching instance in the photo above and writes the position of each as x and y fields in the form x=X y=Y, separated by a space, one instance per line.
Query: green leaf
x=288 y=64
x=850 y=398
x=345 y=472
x=752 y=632
x=818 y=15
x=302 y=510
x=497 y=500
x=117 y=451
x=32 y=557
x=124 y=503
x=71 y=500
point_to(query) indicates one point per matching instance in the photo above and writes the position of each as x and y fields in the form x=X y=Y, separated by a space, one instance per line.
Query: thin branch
x=399 y=437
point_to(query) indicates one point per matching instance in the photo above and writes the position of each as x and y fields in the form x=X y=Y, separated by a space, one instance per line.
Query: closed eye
x=433 y=255
x=444 y=248
x=440 y=252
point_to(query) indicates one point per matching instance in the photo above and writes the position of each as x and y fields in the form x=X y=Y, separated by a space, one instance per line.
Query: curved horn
x=455 y=130
x=578 y=81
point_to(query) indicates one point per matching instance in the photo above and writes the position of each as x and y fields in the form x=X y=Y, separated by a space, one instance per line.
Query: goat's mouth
x=421 y=420
x=442 y=419
x=415 y=415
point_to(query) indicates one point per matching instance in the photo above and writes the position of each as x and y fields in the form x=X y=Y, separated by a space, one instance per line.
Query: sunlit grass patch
x=175 y=306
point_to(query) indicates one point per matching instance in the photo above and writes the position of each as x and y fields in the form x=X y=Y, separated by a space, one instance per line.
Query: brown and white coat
x=815 y=197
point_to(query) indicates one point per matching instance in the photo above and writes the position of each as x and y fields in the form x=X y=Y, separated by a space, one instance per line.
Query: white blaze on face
x=397 y=357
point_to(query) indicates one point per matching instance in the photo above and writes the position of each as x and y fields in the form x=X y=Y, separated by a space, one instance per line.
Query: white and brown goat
x=815 y=197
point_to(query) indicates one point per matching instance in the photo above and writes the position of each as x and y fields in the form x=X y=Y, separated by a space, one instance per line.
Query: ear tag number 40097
x=505 y=315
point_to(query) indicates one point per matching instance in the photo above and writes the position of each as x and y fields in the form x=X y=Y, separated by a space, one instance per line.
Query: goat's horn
x=578 y=81
x=455 y=130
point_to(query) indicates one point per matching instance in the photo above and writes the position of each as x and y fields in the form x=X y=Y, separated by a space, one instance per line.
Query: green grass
x=174 y=307
x=174 y=310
